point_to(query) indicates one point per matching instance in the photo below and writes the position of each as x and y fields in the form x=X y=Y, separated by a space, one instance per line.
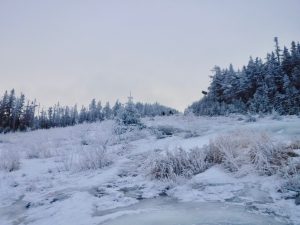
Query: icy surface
x=49 y=189
x=165 y=212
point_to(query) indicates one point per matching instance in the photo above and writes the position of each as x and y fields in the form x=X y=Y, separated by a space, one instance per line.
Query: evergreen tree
x=83 y=116
x=10 y=108
x=107 y=111
x=100 y=115
x=4 y=117
x=74 y=115
x=116 y=108
x=129 y=115
x=92 y=114
x=277 y=49
x=17 y=112
x=260 y=87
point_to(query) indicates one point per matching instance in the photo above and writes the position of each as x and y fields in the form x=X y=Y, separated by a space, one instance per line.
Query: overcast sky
x=164 y=50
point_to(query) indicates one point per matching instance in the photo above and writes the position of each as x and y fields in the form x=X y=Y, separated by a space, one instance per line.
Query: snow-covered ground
x=87 y=174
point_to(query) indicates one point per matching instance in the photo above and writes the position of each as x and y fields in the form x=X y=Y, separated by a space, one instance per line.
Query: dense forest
x=262 y=86
x=18 y=114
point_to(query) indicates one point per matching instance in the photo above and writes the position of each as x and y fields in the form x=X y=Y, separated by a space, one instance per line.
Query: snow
x=45 y=191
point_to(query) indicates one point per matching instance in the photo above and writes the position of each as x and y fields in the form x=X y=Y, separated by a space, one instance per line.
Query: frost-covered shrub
x=250 y=119
x=84 y=142
x=44 y=144
x=32 y=153
x=93 y=158
x=191 y=134
x=9 y=160
x=229 y=150
x=167 y=130
x=237 y=150
x=87 y=158
x=226 y=150
x=120 y=129
x=38 y=150
x=241 y=152
x=69 y=160
x=295 y=144
x=179 y=163
x=267 y=156
x=276 y=115
x=164 y=131
x=292 y=183
x=129 y=133
x=291 y=173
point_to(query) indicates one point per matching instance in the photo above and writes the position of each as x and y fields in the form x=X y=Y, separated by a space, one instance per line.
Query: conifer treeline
x=259 y=87
x=18 y=114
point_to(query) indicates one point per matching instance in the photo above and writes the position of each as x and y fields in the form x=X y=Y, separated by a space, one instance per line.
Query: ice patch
x=166 y=212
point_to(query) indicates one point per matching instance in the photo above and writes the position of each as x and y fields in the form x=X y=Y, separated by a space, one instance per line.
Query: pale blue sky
x=73 y=51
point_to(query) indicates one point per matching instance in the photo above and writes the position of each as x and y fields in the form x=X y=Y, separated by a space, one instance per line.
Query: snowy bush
x=87 y=158
x=292 y=171
x=257 y=151
x=295 y=144
x=268 y=156
x=129 y=133
x=68 y=161
x=9 y=160
x=292 y=183
x=94 y=158
x=32 y=153
x=226 y=151
x=250 y=119
x=38 y=150
x=179 y=163
x=240 y=152
x=191 y=134
x=164 y=131
x=275 y=115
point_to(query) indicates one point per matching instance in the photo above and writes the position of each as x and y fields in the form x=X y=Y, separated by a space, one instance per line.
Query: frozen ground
x=57 y=183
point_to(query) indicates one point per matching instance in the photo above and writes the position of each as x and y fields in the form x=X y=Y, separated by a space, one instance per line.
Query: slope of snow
x=48 y=189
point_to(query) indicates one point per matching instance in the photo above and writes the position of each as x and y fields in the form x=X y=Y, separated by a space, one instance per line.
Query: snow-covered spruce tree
x=116 y=108
x=260 y=87
x=92 y=114
x=260 y=102
x=12 y=112
x=100 y=115
x=129 y=115
x=107 y=112
x=127 y=119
